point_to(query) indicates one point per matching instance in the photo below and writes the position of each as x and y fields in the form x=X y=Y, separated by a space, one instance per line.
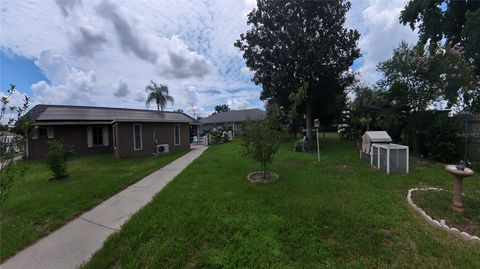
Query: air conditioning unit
x=163 y=148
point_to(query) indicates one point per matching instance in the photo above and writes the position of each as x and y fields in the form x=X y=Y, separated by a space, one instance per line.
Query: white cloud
x=140 y=98
x=68 y=6
x=130 y=38
x=381 y=32
x=246 y=70
x=54 y=66
x=238 y=103
x=68 y=84
x=251 y=4
x=88 y=41
x=180 y=62
x=121 y=89
x=74 y=42
x=84 y=47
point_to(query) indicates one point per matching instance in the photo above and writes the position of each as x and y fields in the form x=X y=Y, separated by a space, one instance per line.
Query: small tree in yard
x=260 y=141
x=57 y=158
x=10 y=114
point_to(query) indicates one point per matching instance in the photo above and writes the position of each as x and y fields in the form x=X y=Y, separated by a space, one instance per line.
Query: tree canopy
x=158 y=93
x=413 y=81
x=221 y=108
x=457 y=21
x=406 y=87
x=301 y=43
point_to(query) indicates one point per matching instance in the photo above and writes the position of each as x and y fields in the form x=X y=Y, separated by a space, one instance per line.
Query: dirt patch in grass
x=343 y=168
x=437 y=204
x=261 y=177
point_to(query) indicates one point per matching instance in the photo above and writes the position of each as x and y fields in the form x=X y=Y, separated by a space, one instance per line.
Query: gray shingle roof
x=235 y=116
x=41 y=113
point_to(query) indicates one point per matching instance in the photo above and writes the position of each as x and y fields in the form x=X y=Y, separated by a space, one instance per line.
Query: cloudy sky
x=85 y=52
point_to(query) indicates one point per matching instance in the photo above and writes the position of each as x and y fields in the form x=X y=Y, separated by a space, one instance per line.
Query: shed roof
x=377 y=136
x=6 y=133
x=59 y=113
x=235 y=116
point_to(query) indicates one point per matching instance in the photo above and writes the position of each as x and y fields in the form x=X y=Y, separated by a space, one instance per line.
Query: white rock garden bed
x=438 y=223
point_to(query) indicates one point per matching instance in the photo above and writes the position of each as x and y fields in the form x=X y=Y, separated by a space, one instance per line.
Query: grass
x=37 y=206
x=337 y=214
x=438 y=206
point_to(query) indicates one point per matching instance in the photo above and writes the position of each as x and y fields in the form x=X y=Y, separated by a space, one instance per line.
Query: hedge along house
x=231 y=119
x=123 y=132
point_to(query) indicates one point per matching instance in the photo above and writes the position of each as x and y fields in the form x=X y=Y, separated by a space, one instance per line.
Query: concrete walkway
x=17 y=158
x=77 y=241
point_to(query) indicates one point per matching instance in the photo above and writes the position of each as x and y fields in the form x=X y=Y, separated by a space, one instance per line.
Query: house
x=123 y=132
x=231 y=119
x=8 y=138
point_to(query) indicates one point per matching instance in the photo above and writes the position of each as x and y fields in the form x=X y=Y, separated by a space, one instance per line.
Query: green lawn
x=339 y=213
x=37 y=206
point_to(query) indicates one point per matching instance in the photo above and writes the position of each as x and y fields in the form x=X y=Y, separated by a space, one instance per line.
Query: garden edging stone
x=441 y=223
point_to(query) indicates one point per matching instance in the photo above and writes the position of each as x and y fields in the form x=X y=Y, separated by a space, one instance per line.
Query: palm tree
x=158 y=93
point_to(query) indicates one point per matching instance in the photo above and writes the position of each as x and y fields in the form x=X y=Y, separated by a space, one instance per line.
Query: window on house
x=42 y=132
x=97 y=135
x=137 y=136
x=176 y=128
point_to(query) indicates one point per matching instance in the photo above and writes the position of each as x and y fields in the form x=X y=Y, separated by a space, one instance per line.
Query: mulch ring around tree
x=258 y=177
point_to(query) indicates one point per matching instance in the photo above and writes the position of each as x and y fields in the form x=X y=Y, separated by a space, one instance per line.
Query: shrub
x=442 y=140
x=10 y=119
x=260 y=141
x=217 y=136
x=57 y=158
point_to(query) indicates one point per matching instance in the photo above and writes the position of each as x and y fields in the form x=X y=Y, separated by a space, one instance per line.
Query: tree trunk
x=368 y=121
x=158 y=106
x=308 y=119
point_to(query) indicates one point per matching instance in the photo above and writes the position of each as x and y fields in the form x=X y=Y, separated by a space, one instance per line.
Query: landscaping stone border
x=441 y=224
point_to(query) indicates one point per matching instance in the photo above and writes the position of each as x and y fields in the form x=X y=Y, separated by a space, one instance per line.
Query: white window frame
x=93 y=140
x=37 y=132
x=179 y=135
x=141 y=137
x=114 y=135
x=50 y=134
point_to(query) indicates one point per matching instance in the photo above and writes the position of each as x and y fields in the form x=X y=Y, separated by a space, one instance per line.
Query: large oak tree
x=301 y=44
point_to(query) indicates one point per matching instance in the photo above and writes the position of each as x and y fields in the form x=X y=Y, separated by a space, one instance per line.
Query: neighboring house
x=232 y=118
x=7 y=137
x=123 y=132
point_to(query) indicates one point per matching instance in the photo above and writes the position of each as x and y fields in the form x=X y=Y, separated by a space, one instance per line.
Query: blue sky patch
x=19 y=71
